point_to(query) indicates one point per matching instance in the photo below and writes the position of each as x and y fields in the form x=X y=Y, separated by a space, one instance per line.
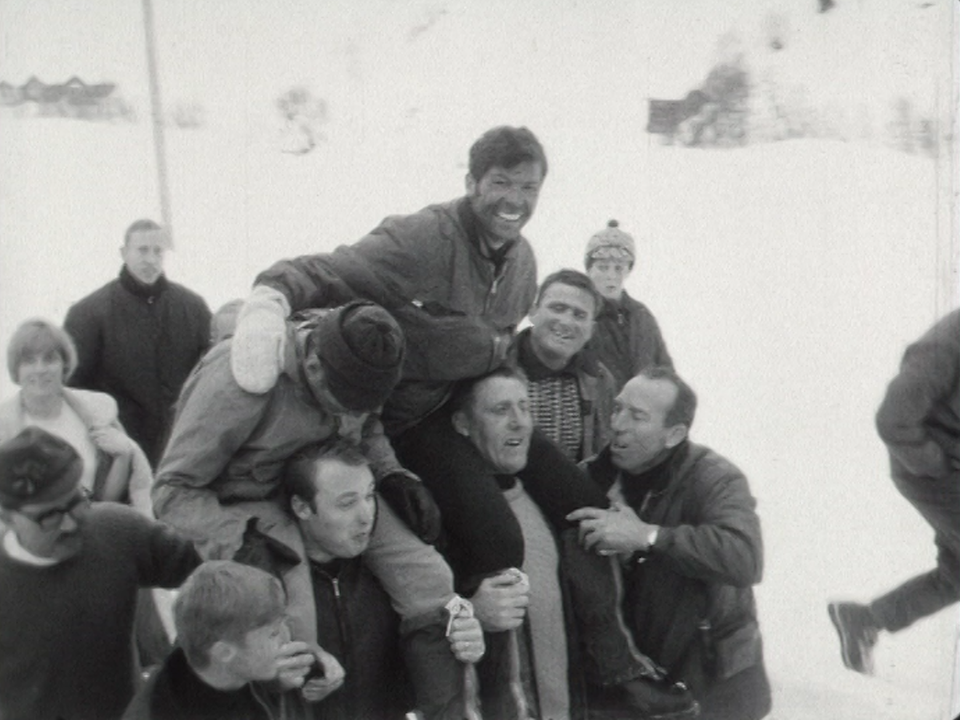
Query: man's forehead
x=531 y=168
x=151 y=236
x=496 y=389
x=645 y=393
x=567 y=293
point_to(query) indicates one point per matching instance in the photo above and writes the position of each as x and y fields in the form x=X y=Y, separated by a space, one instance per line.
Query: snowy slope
x=787 y=277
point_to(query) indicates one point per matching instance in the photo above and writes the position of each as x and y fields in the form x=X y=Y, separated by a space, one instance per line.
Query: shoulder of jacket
x=99 y=407
x=708 y=467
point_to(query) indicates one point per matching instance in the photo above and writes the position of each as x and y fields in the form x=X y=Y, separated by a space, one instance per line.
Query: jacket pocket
x=736 y=651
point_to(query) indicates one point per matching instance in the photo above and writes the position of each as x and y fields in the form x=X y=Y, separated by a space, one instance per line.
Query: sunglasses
x=53 y=518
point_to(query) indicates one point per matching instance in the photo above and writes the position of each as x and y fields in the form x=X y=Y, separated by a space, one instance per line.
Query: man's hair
x=505 y=147
x=684 y=405
x=465 y=392
x=35 y=337
x=139 y=226
x=301 y=468
x=223 y=600
x=573 y=278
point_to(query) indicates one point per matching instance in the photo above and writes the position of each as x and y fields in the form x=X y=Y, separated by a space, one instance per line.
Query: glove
x=264 y=552
x=410 y=499
x=256 y=356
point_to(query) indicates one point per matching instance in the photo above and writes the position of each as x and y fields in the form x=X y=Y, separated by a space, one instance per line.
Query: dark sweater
x=66 y=647
x=176 y=692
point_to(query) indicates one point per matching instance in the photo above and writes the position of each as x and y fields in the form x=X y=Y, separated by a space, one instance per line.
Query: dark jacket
x=138 y=343
x=594 y=381
x=919 y=419
x=356 y=624
x=457 y=307
x=175 y=692
x=690 y=601
x=627 y=339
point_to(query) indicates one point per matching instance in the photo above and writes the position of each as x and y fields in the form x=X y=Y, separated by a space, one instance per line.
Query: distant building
x=74 y=98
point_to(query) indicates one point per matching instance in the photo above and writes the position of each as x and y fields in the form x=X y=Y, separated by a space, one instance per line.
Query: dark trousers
x=938 y=501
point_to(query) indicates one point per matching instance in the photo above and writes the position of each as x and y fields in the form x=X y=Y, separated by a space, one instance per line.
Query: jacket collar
x=582 y=362
x=135 y=287
x=613 y=308
x=471 y=227
x=205 y=701
x=654 y=480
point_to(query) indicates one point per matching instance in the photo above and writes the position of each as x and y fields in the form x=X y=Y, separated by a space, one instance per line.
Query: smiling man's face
x=504 y=199
x=498 y=423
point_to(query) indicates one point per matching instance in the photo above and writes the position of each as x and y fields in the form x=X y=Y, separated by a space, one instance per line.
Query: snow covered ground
x=787 y=278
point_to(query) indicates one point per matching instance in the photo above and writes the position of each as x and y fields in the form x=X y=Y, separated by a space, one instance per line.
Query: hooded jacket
x=458 y=307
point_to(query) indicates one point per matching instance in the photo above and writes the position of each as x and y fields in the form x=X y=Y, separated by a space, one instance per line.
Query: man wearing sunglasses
x=69 y=575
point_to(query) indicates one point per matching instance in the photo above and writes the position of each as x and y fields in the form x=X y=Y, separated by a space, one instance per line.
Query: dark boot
x=858 y=634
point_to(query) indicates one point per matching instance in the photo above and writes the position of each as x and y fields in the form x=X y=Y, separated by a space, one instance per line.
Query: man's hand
x=501 y=601
x=608 y=532
x=329 y=678
x=293 y=662
x=466 y=639
x=256 y=355
x=413 y=503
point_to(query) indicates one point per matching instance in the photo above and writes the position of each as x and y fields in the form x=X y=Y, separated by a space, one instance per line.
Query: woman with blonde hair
x=40 y=358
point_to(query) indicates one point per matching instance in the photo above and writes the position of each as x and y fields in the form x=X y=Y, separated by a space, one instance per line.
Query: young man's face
x=503 y=200
x=349 y=422
x=608 y=276
x=51 y=530
x=143 y=255
x=346 y=509
x=498 y=423
x=256 y=657
x=640 y=433
x=561 y=324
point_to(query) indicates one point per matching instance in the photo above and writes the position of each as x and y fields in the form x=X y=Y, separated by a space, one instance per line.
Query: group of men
x=386 y=498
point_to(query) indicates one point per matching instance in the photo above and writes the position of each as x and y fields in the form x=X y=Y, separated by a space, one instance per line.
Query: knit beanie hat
x=611 y=243
x=37 y=467
x=361 y=348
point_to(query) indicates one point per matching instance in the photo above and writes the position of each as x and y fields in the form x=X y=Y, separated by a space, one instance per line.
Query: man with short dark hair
x=234 y=659
x=685 y=529
x=331 y=495
x=139 y=336
x=571 y=392
x=69 y=576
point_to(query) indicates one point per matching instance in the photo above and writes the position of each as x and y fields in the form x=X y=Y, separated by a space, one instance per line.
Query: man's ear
x=470 y=183
x=460 y=424
x=676 y=435
x=300 y=507
x=223 y=652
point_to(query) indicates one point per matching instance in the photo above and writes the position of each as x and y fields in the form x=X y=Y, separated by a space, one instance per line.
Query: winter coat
x=627 y=339
x=457 y=307
x=138 y=343
x=120 y=478
x=689 y=600
x=596 y=386
x=175 y=692
x=228 y=446
x=919 y=418
x=356 y=624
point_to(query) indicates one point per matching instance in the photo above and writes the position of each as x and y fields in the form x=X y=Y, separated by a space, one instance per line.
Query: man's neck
x=550 y=360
